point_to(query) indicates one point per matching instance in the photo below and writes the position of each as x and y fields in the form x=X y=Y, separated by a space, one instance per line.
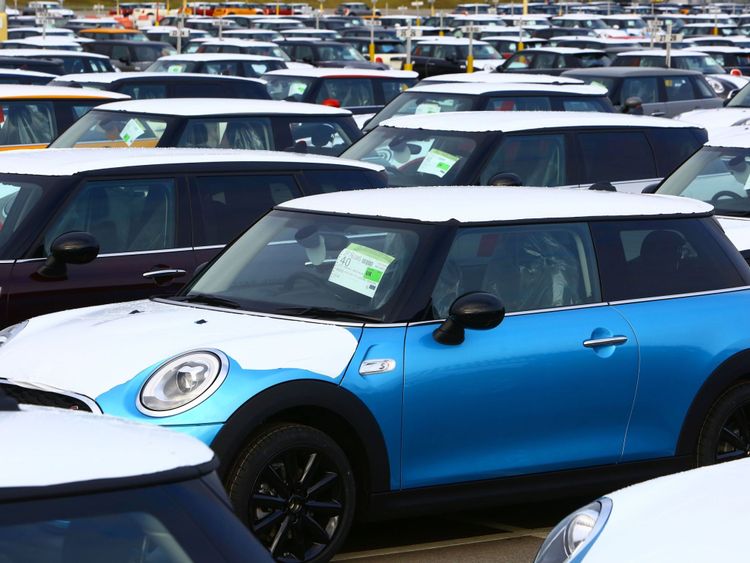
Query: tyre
x=294 y=488
x=725 y=435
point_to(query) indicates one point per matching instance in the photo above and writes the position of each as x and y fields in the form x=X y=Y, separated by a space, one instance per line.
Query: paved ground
x=510 y=534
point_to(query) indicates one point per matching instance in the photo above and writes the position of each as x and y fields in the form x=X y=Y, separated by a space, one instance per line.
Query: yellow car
x=32 y=116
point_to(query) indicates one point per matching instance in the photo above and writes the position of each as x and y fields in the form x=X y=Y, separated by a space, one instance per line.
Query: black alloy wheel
x=294 y=489
x=725 y=435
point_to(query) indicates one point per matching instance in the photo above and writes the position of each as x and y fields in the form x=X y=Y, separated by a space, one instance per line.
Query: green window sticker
x=175 y=68
x=438 y=163
x=360 y=269
x=132 y=130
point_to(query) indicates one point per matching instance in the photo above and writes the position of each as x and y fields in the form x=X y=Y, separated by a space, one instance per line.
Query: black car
x=68 y=61
x=328 y=54
x=130 y=55
x=554 y=60
x=15 y=76
x=731 y=58
x=90 y=226
x=224 y=64
x=434 y=56
x=149 y=85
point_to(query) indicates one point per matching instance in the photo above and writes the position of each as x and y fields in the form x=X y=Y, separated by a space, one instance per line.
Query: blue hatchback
x=403 y=350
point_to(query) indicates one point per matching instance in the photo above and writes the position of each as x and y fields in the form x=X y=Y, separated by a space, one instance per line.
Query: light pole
x=372 y=34
x=416 y=4
x=432 y=7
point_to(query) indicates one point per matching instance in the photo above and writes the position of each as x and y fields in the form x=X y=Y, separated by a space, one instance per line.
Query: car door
x=139 y=224
x=679 y=95
x=548 y=389
x=648 y=89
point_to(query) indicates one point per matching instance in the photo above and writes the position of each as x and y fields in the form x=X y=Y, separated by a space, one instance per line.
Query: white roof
x=191 y=107
x=65 y=162
x=48 y=53
x=87 y=447
x=19 y=72
x=508 y=121
x=731 y=137
x=501 y=78
x=563 y=50
x=108 y=77
x=236 y=42
x=339 y=72
x=579 y=16
x=663 y=53
x=8 y=91
x=199 y=57
x=51 y=40
x=472 y=204
x=723 y=49
x=448 y=41
x=479 y=88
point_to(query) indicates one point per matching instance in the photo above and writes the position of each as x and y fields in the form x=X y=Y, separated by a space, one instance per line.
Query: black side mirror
x=633 y=105
x=506 y=179
x=651 y=188
x=476 y=310
x=603 y=187
x=75 y=247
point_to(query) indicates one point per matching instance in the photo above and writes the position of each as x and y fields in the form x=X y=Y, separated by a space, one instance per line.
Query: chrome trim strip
x=116 y=254
x=611 y=341
x=7 y=261
x=680 y=295
x=95 y=408
x=212 y=247
x=174 y=272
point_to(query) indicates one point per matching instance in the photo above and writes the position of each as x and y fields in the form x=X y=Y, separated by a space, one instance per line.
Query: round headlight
x=182 y=383
x=10 y=332
x=580 y=527
x=716 y=85
x=574 y=532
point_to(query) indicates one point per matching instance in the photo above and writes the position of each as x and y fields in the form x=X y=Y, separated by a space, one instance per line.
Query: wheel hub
x=295 y=504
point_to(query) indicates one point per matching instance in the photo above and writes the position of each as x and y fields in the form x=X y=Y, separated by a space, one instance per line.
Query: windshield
x=741 y=99
x=173 y=66
x=339 y=53
x=321 y=266
x=114 y=129
x=704 y=64
x=717 y=175
x=415 y=157
x=17 y=200
x=414 y=103
x=480 y=52
x=266 y=51
x=290 y=88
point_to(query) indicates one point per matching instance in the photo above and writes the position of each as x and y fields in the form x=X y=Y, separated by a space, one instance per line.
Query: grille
x=44 y=398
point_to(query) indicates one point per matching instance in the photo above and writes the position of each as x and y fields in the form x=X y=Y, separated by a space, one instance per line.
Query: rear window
x=674 y=146
x=27 y=123
x=616 y=156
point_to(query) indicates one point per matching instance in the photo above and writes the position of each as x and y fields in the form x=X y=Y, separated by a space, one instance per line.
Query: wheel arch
x=325 y=406
x=731 y=371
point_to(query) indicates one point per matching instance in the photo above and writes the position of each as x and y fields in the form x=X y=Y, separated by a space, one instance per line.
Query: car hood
x=655 y=520
x=92 y=350
x=737 y=230
x=736 y=81
x=487 y=64
x=719 y=117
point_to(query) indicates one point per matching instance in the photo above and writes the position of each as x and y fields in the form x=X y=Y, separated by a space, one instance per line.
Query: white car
x=679 y=517
x=735 y=112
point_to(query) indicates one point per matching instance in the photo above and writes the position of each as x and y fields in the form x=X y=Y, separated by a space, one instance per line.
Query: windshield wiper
x=207 y=299
x=324 y=313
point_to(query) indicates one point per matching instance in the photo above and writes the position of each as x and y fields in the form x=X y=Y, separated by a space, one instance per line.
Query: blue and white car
x=412 y=349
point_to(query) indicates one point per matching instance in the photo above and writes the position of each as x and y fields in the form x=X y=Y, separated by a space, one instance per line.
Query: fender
x=729 y=372
x=298 y=395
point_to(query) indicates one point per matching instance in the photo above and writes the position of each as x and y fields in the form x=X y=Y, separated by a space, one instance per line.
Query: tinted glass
x=291 y=88
x=230 y=204
x=644 y=87
x=678 y=88
x=526 y=267
x=413 y=103
x=702 y=89
x=350 y=92
x=613 y=156
x=124 y=215
x=199 y=89
x=27 y=123
x=255 y=69
x=392 y=88
x=322 y=137
x=17 y=199
x=586 y=104
x=231 y=133
x=673 y=146
x=325 y=181
x=537 y=160
x=144 y=91
x=519 y=103
x=661 y=257
x=227 y=68
x=113 y=129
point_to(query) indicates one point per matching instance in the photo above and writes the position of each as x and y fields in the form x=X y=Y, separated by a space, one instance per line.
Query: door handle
x=159 y=275
x=610 y=341
x=657 y=114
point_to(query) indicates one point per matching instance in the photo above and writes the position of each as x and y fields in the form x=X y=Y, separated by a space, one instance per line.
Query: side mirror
x=75 y=247
x=506 y=179
x=603 y=187
x=651 y=188
x=476 y=310
x=633 y=105
x=730 y=95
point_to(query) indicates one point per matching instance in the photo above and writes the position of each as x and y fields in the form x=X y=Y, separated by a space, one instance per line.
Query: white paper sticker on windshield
x=360 y=269
x=132 y=130
x=437 y=163
x=427 y=108
x=297 y=88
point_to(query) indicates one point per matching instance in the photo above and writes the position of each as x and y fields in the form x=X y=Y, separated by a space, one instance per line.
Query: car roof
x=447 y=41
x=562 y=50
x=731 y=137
x=480 y=121
x=19 y=72
x=22 y=91
x=109 y=77
x=49 y=53
x=662 y=53
x=483 y=204
x=498 y=78
x=90 y=448
x=342 y=73
x=237 y=42
x=66 y=162
x=479 y=88
x=191 y=107
x=630 y=71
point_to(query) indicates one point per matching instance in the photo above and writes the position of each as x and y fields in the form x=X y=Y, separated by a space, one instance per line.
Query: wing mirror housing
x=75 y=247
x=651 y=188
x=477 y=310
x=506 y=179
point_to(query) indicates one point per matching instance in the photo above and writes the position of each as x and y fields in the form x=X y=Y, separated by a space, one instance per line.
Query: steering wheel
x=304 y=276
x=725 y=193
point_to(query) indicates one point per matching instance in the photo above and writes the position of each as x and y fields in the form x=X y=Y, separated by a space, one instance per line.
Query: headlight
x=716 y=85
x=182 y=383
x=574 y=532
x=8 y=333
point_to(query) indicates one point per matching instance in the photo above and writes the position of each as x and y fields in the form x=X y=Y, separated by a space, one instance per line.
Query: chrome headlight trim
x=8 y=333
x=555 y=548
x=170 y=365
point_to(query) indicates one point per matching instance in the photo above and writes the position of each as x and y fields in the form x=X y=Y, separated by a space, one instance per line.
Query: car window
x=678 y=88
x=17 y=199
x=113 y=129
x=544 y=60
x=291 y=88
x=586 y=104
x=519 y=103
x=349 y=92
x=423 y=50
x=227 y=68
x=123 y=215
x=146 y=53
x=144 y=90
x=415 y=103
x=120 y=52
x=614 y=156
x=182 y=89
x=521 y=60
x=660 y=257
x=255 y=69
x=27 y=123
x=231 y=133
x=643 y=87
x=392 y=88
x=173 y=66
x=91 y=65
x=230 y=204
x=325 y=181
x=80 y=109
x=537 y=160
x=702 y=88
x=323 y=137
x=303 y=53
x=672 y=146
x=528 y=267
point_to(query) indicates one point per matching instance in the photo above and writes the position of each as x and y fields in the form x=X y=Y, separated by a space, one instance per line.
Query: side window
x=196 y=89
x=661 y=257
x=702 y=89
x=519 y=103
x=144 y=91
x=227 y=205
x=227 y=68
x=392 y=88
x=81 y=109
x=538 y=160
x=239 y=133
x=643 y=87
x=521 y=60
x=325 y=181
x=27 y=123
x=544 y=60
x=124 y=215
x=120 y=53
x=615 y=156
x=673 y=146
x=320 y=137
x=527 y=267
x=678 y=89
x=350 y=92
x=303 y=53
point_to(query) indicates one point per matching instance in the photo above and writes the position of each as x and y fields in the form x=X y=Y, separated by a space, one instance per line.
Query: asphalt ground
x=509 y=534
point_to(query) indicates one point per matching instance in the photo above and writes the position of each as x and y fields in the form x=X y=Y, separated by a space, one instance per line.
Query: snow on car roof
x=499 y=77
x=24 y=91
x=480 y=204
x=478 y=121
x=339 y=72
x=65 y=162
x=188 y=107
x=88 y=447
x=109 y=77
x=49 y=53
x=222 y=56
x=479 y=88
